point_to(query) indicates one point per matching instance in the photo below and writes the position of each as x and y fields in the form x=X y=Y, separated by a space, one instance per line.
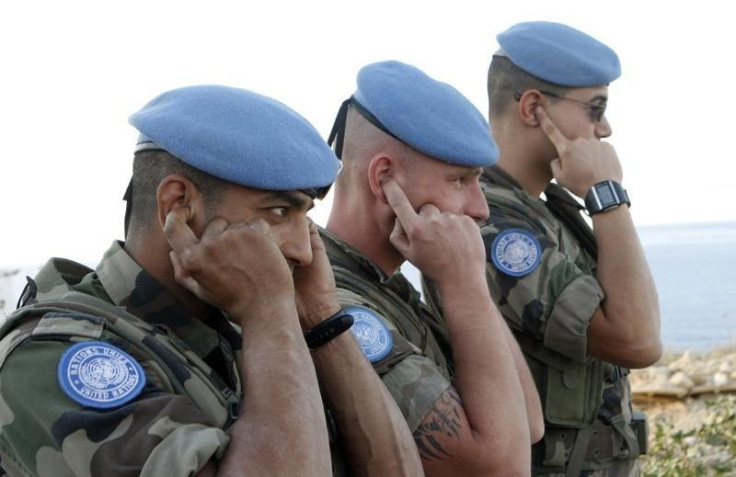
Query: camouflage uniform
x=175 y=425
x=415 y=371
x=549 y=307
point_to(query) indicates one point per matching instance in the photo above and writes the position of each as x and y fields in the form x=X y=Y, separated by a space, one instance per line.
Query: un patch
x=516 y=252
x=99 y=375
x=371 y=333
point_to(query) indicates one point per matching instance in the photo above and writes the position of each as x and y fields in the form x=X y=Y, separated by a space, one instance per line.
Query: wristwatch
x=330 y=328
x=605 y=195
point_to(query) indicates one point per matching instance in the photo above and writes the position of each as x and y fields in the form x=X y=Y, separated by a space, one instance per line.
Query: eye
x=597 y=112
x=279 y=211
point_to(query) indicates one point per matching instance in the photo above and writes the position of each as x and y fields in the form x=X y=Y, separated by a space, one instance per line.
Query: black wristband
x=605 y=195
x=329 y=329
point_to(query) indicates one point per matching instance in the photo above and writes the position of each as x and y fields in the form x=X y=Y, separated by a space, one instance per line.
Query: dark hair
x=505 y=80
x=149 y=169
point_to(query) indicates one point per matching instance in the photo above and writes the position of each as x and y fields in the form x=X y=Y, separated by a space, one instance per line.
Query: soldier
x=581 y=302
x=412 y=151
x=140 y=367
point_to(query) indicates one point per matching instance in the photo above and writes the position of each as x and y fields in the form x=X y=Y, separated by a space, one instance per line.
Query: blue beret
x=559 y=54
x=429 y=116
x=238 y=136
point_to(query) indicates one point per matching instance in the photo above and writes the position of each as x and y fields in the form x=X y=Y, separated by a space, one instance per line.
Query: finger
x=215 y=227
x=398 y=201
x=429 y=210
x=556 y=166
x=177 y=231
x=182 y=277
x=398 y=237
x=550 y=129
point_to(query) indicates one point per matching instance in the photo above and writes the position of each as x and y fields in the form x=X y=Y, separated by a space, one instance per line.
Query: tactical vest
x=584 y=404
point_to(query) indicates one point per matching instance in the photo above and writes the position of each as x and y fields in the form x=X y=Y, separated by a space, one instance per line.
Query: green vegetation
x=708 y=449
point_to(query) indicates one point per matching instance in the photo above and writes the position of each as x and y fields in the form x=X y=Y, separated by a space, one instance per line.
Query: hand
x=230 y=265
x=582 y=162
x=316 y=298
x=443 y=246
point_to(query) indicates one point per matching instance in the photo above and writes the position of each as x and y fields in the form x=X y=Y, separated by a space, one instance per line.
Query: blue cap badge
x=99 y=375
x=371 y=333
x=516 y=252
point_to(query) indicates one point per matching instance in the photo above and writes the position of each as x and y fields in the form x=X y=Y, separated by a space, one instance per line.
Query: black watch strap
x=605 y=195
x=329 y=329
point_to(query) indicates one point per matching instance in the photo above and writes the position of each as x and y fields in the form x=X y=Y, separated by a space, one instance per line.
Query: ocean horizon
x=694 y=268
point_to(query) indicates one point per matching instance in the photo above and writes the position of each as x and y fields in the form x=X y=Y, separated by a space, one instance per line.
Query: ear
x=527 y=102
x=177 y=191
x=379 y=168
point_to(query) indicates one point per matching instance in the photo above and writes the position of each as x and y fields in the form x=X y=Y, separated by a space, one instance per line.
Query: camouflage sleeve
x=413 y=380
x=540 y=288
x=43 y=432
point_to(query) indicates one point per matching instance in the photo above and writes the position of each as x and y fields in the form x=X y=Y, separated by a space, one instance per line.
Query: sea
x=694 y=268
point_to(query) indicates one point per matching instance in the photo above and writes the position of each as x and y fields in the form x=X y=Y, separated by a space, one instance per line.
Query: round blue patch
x=100 y=375
x=516 y=252
x=371 y=333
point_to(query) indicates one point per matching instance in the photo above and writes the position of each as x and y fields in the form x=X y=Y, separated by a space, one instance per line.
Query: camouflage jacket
x=544 y=283
x=412 y=364
x=189 y=389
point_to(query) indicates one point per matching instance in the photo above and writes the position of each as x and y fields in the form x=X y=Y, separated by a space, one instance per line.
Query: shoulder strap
x=567 y=210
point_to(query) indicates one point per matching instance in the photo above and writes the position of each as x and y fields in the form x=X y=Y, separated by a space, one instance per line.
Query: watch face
x=605 y=194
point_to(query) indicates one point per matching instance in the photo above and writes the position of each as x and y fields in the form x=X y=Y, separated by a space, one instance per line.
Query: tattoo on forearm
x=443 y=418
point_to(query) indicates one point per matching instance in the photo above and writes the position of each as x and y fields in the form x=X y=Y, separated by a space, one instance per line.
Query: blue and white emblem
x=100 y=375
x=516 y=252
x=371 y=333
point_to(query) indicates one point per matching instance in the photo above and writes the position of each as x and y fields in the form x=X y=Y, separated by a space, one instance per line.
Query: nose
x=476 y=206
x=603 y=128
x=295 y=243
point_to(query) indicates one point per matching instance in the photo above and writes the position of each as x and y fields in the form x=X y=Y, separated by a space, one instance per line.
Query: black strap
x=28 y=296
x=567 y=210
x=328 y=330
x=128 y=198
x=337 y=134
x=338 y=128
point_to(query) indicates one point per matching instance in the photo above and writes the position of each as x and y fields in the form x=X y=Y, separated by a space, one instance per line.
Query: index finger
x=176 y=230
x=550 y=129
x=398 y=201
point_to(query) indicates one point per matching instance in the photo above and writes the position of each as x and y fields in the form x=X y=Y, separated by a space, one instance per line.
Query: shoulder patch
x=99 y=375
x=516 y=252
x=371 y=333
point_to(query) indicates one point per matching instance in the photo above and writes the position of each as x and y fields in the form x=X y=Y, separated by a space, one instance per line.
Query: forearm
x=534 y=412
x=487 y=378
x=281 y=429
x=631 y=305
x=374 y=434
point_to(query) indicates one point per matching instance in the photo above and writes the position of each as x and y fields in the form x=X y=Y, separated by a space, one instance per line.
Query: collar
x=131 y=287
x=344 y=255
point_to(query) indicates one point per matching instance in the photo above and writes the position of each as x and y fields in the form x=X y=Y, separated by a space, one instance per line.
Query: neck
x=151 y=252
x=359 y=228
x=523 y=159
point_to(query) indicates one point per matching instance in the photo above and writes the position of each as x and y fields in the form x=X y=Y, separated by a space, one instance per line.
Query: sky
x=73 y=71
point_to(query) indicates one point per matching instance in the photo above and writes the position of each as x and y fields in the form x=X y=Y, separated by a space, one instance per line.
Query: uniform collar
x=342 y=254
x=131 y=287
